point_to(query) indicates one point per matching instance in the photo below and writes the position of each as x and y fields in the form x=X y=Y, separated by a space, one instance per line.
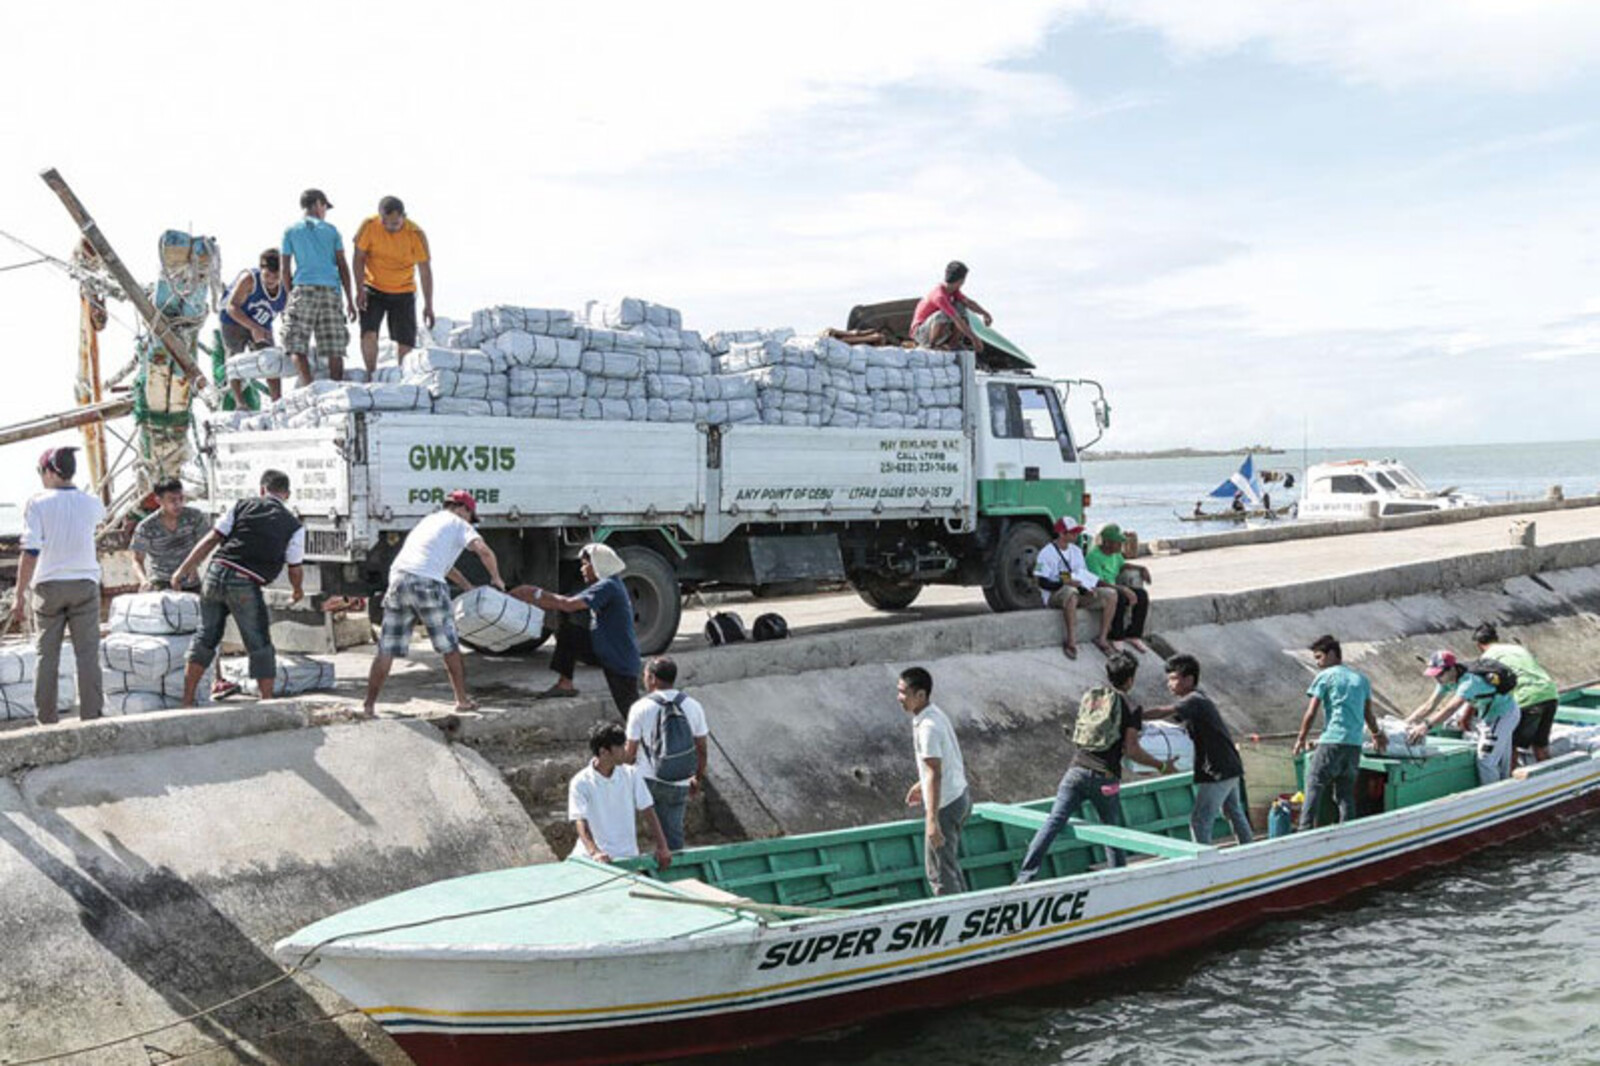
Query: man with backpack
x=1105 y=732
x=1481 y=691
x=667 y=742
x=1536 y=693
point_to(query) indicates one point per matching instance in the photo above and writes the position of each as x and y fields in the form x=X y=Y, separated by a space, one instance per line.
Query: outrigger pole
x=169 y=338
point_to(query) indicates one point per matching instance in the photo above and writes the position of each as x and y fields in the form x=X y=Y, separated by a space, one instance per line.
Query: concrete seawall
x=148 y=863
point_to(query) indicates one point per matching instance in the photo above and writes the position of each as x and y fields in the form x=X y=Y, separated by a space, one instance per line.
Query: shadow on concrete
x=173 y=939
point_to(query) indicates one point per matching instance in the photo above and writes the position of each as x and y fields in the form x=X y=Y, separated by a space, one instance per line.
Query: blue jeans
x=1334 y=766
x=227 y=592
x=1077 y=785
x=1212 y=798
x=670 y=803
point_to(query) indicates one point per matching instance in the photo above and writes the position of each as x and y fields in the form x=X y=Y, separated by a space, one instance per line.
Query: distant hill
x=1183 y=453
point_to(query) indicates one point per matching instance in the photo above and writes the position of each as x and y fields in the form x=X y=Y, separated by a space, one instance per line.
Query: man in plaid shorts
x=418 y=593
x=315 y=270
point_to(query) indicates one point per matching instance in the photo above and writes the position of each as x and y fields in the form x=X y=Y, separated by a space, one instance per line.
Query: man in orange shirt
x=391 y=252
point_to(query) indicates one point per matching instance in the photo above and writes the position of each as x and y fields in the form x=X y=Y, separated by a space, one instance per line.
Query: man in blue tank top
x=258 y=297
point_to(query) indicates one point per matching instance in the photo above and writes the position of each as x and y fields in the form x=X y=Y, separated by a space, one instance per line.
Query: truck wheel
x=1011 y=586
x=652 y=585
x=886 y=594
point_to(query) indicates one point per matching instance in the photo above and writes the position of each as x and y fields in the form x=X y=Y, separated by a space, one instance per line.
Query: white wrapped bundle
x=515 y=347
x=168 y=684
x=611 y=364
x=1566 y=738
x=455 y=405
x=892 y=400
x=833 y=416
x=1166 y=741
x=145 y=702
x=819 y=349
x=690 y=340
x=458 y=361
x=462 y=385
x=16 y=664
x=751 y=355
x=721 y=342
x=552 y=352
x=888 y=358
x=731 y=387
x=466 y=336
x=144 y=654
x=296 y=674
x=743 y=410
x=887 y=420
x=489 y=619
x=549 y=383
x=259 y=364
x=695 y=361
x=614 y=389
x=16 y=701
x=344 y=399
x=307 y=419
x=399 y=397
x=156 y=613
x=659 y=410
x=668 y=387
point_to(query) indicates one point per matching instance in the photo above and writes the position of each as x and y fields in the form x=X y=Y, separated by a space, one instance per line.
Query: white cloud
x=1509 y=44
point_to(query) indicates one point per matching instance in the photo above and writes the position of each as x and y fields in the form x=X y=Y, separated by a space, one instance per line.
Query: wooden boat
x=1255 y=514
x=755 y=943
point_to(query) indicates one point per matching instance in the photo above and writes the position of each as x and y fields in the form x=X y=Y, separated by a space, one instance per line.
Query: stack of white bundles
x=489 y=619
x=259 y=364
x=399 y=396
x=721 y=343
x=18 y=670
x=554 y=383
x=1166 y=741
x=296 y=674
x=156 y=613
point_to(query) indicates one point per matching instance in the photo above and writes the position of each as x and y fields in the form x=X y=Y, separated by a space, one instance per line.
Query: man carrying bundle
x=418 y=593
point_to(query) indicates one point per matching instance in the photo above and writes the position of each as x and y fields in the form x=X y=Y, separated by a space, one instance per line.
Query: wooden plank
x=1091 y=833
x=1560 y=762
x=778 y=876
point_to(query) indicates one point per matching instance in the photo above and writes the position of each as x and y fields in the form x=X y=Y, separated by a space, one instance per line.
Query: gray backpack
x=672 y=742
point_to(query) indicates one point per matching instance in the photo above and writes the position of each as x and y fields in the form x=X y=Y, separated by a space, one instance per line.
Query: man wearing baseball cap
x=1065 y=580
x=59 y=562
x=1106 y=561
x=1467 y=688
x=314 y=269
x=418 y=593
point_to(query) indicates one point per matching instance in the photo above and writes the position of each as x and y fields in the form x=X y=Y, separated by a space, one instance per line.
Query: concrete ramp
x=151 y=885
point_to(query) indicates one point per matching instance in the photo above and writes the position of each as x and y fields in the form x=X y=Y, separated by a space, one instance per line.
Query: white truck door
x=1024 y=436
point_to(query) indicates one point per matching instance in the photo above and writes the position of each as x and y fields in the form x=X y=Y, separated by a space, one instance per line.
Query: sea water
x=1489 y=960
x=1148 y=495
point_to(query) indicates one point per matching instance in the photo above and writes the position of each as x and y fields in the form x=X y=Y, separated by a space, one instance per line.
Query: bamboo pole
x=82 y=416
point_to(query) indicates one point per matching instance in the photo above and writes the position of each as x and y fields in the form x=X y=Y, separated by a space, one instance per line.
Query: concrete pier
x=148 y=862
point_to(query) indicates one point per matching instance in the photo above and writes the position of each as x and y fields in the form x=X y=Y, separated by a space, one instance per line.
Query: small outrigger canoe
x=755 y=943
x=1237 y=516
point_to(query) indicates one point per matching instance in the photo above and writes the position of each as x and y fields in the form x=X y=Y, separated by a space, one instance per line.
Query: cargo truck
x=692 y=507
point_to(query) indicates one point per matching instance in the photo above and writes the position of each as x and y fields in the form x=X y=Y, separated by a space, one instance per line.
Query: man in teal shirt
x=1496 y=713
x=1536 y=693
x=315 y=269
x=1345 y=697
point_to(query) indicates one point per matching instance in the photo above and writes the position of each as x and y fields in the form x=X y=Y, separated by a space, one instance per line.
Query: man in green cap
x=1105 y=561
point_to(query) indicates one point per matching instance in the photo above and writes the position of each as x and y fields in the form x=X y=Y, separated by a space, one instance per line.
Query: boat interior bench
x=879 y=864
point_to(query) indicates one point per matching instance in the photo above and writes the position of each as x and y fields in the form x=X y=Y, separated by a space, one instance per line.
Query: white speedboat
x=1365 y=488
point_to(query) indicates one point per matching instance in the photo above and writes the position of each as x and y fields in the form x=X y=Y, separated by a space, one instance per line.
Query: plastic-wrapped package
x=144 y=655
x=489 y=619
x=295 y=674
x=158 y=613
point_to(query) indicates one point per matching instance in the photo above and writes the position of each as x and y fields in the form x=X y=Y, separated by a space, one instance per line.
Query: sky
x=1352 y=222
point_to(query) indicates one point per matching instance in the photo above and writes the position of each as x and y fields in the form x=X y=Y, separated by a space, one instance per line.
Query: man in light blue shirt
x=314 y=268
x=1345 y=697
x=1468 y=691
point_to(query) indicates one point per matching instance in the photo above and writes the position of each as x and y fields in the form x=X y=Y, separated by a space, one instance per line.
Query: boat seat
x=1093 y=833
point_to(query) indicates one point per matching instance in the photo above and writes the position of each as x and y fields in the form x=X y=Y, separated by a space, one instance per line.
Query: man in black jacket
x=257 y=538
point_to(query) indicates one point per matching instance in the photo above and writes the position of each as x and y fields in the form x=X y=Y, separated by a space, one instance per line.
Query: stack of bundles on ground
x=490 y=620
x=295 y=675
x=18 y=668
x=141 y=658
x=630 y=360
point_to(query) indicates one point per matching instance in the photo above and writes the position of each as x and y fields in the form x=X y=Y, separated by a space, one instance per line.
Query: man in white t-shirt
x=59 y=561
x=941 y=787
x=649 y=740
x=418 y=593
x=1065 y=581
x=603 y=798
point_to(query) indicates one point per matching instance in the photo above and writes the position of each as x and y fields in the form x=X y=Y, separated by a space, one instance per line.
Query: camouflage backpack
x=1099 y=721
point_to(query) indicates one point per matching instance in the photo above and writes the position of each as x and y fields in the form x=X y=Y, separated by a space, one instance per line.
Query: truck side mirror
x=1102 y=414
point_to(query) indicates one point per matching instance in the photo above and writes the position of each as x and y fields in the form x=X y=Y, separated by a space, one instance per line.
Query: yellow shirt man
x=391 y=254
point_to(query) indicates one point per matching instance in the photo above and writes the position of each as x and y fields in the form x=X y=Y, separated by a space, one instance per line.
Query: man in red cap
x=1065 y=580
x=418 y=593
x=59 y=562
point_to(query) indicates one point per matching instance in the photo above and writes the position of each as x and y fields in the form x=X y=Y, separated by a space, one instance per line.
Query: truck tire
x=886 y=594
x=1011 y=586
x=652 y=585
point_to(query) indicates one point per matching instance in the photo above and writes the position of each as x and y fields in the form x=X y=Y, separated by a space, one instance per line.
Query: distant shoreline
x=1182 y=453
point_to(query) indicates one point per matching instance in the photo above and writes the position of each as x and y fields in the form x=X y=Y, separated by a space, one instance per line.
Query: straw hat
x=605 y=560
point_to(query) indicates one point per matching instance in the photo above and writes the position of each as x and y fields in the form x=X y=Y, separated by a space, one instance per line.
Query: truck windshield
x=1029 y=412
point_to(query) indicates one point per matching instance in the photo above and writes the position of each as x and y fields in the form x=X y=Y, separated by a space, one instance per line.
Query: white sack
x=489 y=619
x=158 y=613
x=296 y=674
x=144 y=654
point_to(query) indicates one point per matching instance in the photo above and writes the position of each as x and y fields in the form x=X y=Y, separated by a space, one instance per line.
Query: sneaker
x=222 y=689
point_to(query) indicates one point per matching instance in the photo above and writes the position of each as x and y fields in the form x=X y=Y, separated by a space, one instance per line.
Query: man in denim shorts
x=418 y=593
x=254 y=542
x=315 y=270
